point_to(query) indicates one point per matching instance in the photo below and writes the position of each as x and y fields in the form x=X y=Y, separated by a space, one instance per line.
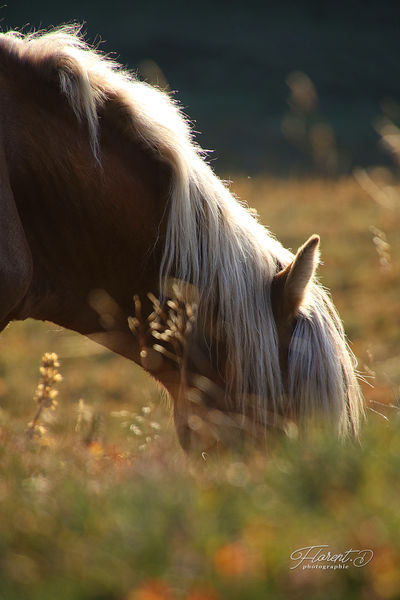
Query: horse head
x=104 y=195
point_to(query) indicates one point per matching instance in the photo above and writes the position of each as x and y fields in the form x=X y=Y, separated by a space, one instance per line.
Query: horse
x=105 y=195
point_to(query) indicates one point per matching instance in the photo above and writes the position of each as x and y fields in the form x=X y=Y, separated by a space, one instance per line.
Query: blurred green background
x=229 y=64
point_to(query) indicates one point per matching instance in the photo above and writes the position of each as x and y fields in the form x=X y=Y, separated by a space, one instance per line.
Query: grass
x=103 y=503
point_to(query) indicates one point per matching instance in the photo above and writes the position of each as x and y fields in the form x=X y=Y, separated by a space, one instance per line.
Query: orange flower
x=154 y=589
x=232 y=559
x=96 y=449
x=385 y=573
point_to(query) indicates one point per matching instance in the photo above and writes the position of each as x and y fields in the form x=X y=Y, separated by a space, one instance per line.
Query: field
x=101 y=503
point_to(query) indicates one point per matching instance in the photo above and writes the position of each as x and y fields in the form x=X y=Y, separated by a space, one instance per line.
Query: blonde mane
x=213 y=242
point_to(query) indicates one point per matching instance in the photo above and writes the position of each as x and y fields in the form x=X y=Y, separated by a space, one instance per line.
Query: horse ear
x=289 y=285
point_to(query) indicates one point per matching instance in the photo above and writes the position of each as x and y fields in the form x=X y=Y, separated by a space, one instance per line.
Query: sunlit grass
x=104 y=504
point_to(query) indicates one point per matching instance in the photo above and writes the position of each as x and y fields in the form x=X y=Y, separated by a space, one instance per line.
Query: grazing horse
x=104 y=194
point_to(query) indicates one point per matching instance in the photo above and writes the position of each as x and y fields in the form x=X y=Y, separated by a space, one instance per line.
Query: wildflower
x=232 y=559
x=45 y=394
x=135 y=429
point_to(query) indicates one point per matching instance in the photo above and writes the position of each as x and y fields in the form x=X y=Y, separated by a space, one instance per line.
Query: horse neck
x=89 y=223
